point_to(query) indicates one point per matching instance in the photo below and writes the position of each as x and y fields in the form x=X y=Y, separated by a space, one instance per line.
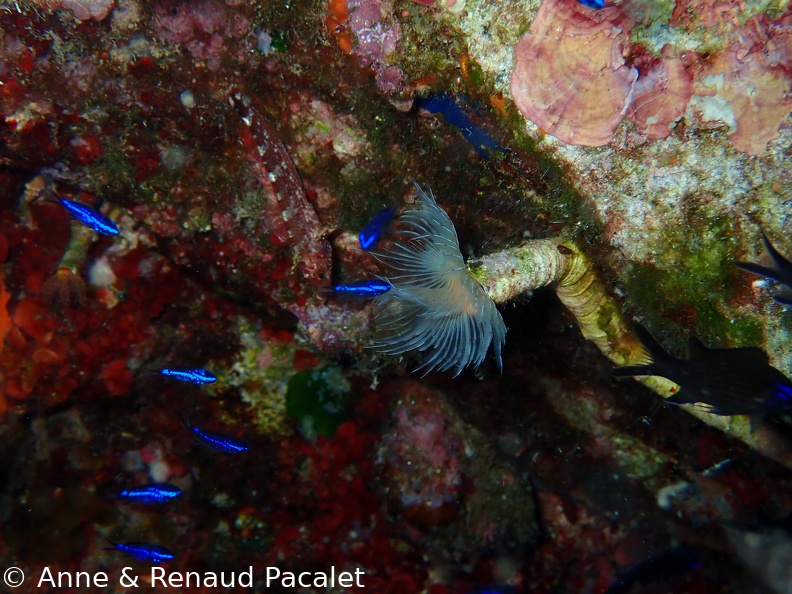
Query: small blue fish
x=191 y=376
x=445 y=104
x=152 y=493
x=593 y=3
x=143 y=551
x=376 y=228
x=89 y=217
x=781 y=271
x=369 y=288
x=220 y=441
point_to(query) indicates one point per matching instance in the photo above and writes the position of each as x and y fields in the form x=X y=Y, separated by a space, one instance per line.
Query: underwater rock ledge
x=560 y=263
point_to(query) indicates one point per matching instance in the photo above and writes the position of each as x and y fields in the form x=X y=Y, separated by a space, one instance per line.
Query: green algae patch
x=259 y=373
x=289 y=19
x=430 y=49
x=317 y=400
x=689 y=32
x=552 y=200
x=361 y=197
x=691 y=284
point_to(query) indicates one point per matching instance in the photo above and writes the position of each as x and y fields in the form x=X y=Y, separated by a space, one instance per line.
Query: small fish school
x=160 y=493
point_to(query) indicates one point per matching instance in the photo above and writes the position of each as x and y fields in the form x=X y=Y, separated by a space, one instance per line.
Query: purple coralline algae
x=378 y=34
x=208 y=30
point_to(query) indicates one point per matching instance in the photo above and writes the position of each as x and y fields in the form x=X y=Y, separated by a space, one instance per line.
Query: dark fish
x=89 y=217
x=192 y=376
x=663 y=566
x=144 y=551
x=153 y=493
x=781 y=271
x=369 y=288
x=445 y=104
x=593 y=3
x=737 y=381
x=220 y=441
x=376 y=228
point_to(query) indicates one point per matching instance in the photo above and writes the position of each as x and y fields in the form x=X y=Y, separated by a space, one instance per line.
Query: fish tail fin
x=657 y=353
x=653 y=354
x=779 y=260
x=758 y=269
x=654 y=357
x=776 y=272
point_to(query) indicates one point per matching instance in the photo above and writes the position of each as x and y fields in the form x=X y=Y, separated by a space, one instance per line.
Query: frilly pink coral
x=660 y=96
x=570 y=77
x=753 y=77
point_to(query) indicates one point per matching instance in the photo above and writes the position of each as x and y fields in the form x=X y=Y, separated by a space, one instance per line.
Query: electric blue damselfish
x=369 y=288
x=445 y=104
x=191 y=376
x=152 y=493
x=376 y=228
x=89 y=217
x=593 y=3
x=144 y=551
x=220 y=441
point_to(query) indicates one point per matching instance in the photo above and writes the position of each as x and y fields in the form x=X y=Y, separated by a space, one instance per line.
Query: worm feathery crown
x=434 y=304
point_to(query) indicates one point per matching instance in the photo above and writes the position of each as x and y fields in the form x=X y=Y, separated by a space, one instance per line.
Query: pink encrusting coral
x=577 y=75
x=570 y=76
x=753 y=77
x=376 y=34
x=661 y=94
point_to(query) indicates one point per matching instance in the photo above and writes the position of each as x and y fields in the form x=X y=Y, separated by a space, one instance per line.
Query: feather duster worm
x=434 y=305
